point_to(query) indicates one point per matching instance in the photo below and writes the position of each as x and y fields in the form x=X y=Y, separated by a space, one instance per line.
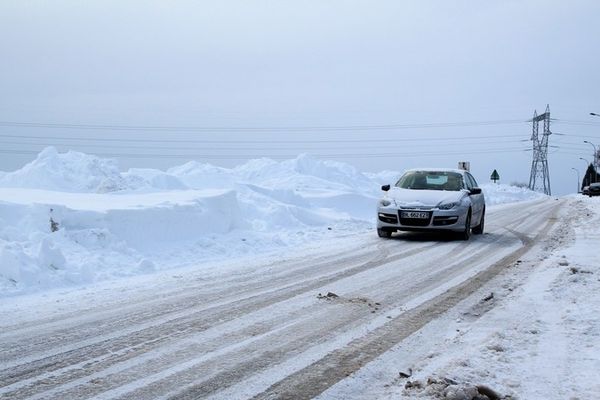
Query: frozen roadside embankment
x=104 y=236
x=80 y=237
x=72 y=218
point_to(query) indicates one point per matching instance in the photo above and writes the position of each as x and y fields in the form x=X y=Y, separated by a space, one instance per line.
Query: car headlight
x=384 y=202
x=448 y=206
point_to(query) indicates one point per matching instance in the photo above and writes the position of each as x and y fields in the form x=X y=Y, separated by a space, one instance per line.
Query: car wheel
x=478 y=230
x=466 y=233
x=382 y=233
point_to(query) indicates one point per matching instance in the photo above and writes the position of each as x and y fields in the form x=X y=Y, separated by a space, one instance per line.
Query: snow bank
x=42 y=244
x=72 y=218
x=68 y=172
x=384 y=177
x=305 y=173
x=203 y=176
x=496 y=193
x=153 y=179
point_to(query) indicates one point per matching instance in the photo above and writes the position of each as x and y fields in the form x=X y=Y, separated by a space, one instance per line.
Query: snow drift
x=72 y=218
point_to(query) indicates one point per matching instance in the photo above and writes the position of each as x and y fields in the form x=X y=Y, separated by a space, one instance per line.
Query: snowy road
x=259 y=330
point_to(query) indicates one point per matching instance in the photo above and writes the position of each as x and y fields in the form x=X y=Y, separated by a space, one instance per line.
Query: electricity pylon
x=539 y=179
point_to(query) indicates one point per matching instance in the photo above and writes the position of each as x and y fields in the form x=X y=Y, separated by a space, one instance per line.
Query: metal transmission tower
x=539 y=179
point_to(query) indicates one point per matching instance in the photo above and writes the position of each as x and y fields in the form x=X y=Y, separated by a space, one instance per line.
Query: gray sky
x=425 y=67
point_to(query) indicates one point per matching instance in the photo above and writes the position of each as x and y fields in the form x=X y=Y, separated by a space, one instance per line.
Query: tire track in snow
x=316 y=336
x=126 y=344
x=314 y=379
x=248 y=367
x=146 y=307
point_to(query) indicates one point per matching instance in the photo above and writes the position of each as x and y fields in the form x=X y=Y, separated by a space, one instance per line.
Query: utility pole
x=539 y=179
x=587 y=166
x=578 y=187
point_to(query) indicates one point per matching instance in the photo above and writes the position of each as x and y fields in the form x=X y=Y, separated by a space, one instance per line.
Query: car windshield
x=431 y=180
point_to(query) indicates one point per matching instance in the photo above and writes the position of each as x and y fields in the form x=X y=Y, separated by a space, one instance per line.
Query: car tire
x=466 y=233
x=478 y=230
x=382 y=233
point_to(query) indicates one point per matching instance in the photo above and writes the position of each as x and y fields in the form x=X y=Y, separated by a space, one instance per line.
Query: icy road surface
x=262 y=330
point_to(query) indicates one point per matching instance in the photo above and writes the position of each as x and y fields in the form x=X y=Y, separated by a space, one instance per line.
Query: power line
x=144 y=145
x=567 y=135
x=295 y=141
x=231 y=129
x=285 y=156
x=576 y=122
x=268 y=146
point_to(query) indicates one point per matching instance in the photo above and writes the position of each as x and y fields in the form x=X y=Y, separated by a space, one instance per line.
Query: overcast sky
x=274 y=76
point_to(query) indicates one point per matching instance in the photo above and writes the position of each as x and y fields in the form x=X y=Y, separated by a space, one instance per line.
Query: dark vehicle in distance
x=594 y=189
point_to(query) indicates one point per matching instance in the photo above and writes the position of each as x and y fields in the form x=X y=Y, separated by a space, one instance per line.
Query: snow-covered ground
x=532 y=333
x=71 y=219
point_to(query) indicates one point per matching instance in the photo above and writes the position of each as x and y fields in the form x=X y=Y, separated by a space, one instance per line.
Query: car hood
x=421 y=198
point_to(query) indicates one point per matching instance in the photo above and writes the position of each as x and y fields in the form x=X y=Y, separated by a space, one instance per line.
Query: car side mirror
x=385 y=188
x=475 y=190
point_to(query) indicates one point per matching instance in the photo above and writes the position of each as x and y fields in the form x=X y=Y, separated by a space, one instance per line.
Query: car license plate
x=414 y=214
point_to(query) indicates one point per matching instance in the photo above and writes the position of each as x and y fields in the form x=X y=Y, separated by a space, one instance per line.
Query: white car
x=437 y=199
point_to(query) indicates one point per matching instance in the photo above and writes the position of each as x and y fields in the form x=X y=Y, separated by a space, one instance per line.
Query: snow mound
x=198 y=175
x=386 y=177
x=42 y=245
x=73 y=218
x=153 y=179
x=69 y=172
x=496 y=193
x=305 y=172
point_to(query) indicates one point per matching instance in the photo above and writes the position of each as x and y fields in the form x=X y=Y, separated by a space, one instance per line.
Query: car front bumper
x=393 y=219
